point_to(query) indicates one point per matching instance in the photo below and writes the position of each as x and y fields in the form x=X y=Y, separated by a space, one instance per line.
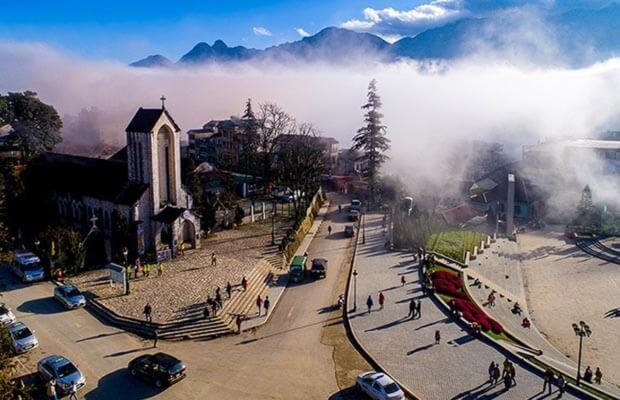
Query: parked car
x=69 y=296
x=160 y=368
x=349 y=231
x=27 y=266
x=22 y=338
x=297 y=268
x=6 y=315
x=63 y=371
x=379 y=386
x=356 y=205
x=354 y=215
x=319 y=268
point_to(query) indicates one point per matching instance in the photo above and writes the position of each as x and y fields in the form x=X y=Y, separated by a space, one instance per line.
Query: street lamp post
x=273 y=224
x=354 y=290
x=582 y=330
x=125 y=254
x=363 y=228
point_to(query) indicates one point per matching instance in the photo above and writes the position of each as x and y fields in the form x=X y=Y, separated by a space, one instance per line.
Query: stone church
x=141 y=184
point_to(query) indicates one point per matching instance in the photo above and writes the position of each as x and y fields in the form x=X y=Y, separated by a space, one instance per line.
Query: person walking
x=598 y=376
x=51 y=390
x=329 y=230
x=496 y=374
x=491 y=371
x=218 y=299
x=155 y=338
x=507 y=382
x=228 y=289
x=244 y=284
x=437 y=336
x=513 y=374
x=238 y=322
x=402 y=280
x=339 y=208
x=587 y=376
x=548 y=379
x=561 y=383
x=491 y=299
x=205 y=312
x=418 y=309
x=137 y=269
x=148 y=312
x=73 y=392
x=266 y=304
x=369 y=303
x=129 y=271
x=412 y=308
x=259 y=304
x=160 y=269
x=213 y=260
x=381 y=299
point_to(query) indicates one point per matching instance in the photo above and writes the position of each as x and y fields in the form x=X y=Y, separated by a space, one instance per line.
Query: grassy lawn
x=454 y=244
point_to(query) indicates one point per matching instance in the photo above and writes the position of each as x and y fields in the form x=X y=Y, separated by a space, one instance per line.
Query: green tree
x=249 y=157
x=70 y=250
x=36 y=125
x=371 y=139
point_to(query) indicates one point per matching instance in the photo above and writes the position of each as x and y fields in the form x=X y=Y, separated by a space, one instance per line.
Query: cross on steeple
x=163 y=100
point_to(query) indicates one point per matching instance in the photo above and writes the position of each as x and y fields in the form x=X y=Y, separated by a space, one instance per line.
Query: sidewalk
x=454 y=369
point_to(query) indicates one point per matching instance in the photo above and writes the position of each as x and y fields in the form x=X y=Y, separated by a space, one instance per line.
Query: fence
x=293 y=238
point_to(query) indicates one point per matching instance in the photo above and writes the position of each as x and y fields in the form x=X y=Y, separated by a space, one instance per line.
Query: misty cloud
x=427 y=107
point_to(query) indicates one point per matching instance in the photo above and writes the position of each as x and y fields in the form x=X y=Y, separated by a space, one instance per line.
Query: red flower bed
x=451 y=285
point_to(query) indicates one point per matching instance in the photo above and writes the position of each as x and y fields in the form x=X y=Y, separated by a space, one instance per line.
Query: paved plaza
x=565 y=285
x=454 y=369
x=189 y=279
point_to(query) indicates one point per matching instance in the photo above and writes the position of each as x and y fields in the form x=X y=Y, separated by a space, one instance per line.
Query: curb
x=351 y=333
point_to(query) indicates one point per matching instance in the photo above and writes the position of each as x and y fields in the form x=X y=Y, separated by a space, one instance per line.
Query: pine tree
x=371 y=139
x=248 y=156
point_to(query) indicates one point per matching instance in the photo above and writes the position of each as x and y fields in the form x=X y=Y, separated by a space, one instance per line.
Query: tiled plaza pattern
x=454 y=369
x=187 y=280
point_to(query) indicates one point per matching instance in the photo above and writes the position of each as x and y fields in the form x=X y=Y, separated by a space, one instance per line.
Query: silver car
x=63 y=371
x=69 y=296
x=22 y=338
x=6 y=316
x=379 y=386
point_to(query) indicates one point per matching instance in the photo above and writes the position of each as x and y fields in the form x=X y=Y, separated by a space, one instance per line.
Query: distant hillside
x=577 y=37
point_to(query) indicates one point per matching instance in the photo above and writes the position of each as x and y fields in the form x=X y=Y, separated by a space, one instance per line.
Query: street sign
x=117 y=273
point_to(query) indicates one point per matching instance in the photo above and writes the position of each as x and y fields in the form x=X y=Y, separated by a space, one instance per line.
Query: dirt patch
x=348 y=362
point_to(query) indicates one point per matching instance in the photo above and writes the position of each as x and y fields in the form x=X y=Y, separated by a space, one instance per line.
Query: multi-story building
x=218 y=142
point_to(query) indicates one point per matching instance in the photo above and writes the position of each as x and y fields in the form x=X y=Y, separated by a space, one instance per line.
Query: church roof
x=120 y=155
x=90 y=177
x=169 y=214
x=146 y=118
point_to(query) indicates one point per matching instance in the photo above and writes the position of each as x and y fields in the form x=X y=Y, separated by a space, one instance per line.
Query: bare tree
x=300 y=163
x=272 y=123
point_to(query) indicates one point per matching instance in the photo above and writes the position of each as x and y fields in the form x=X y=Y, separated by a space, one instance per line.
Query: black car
x=160 y=368
x=319 y=268
x=348 y=231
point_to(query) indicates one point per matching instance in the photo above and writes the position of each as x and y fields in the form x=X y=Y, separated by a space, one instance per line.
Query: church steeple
x=163 y=100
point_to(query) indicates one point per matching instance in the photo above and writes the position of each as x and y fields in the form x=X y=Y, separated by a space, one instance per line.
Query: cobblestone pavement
x=500 y=263
x=456 y=368
x=565 y=285
x=187 y=280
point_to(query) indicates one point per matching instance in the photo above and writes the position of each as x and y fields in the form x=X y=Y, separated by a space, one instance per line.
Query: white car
x=379 y=386
x=6 y=316
x=69 y=296
x=22 y=338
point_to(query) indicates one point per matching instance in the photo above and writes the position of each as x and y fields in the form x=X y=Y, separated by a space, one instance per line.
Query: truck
x=297 y=269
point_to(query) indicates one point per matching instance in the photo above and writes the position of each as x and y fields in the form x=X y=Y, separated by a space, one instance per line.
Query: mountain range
x=576 y=37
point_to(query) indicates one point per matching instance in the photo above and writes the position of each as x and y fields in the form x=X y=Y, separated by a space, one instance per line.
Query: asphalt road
x=283 y=359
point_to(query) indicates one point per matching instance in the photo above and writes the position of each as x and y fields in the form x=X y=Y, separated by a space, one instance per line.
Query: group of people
x=52 y=393
x=145 y=270
x=260 y=303
x=415 y=309
x=598 y=375
x=370 y=302
x=507 y=375
x=549 y=378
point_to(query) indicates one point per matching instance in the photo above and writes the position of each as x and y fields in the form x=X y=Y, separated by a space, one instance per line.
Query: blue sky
x=131 y=29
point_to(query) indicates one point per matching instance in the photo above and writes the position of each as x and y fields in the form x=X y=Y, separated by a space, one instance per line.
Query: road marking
x=290 y=313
